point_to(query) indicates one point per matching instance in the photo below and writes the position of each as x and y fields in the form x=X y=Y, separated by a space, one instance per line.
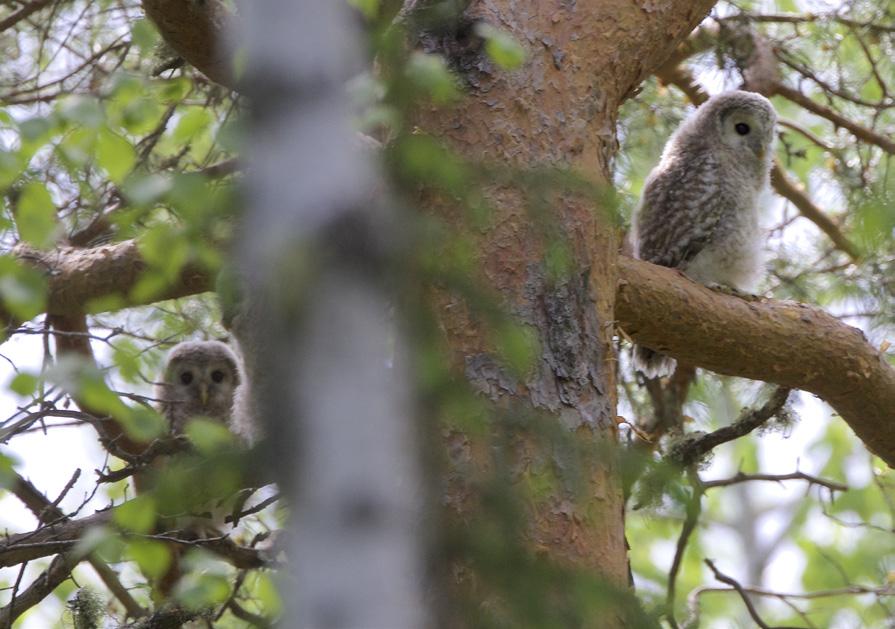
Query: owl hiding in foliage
x=699 y=210
x=200 y=380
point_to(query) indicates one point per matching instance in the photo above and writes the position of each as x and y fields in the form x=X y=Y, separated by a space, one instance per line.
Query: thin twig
x=690 y=451
x=740 y=477
x=723 y=578
x=694 y=508
x=862 y=133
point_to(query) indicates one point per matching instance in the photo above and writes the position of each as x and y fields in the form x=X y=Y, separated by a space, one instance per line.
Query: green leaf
x=430 y=72
x=7 y=471
x=204 y=585
x=174 y=90
x=504 y=49
x=422 y=158
x=36 y=215
x=144 y=424
x=518 y=345
x=83 y=110
x=11 y=166
x=144 y=35
x=209 y=437
x=86 y=382
x=137 y=515
x=191 y=195
x=114 y=154
x=77 y=147
x=143 y=190
x=133 y=105
x=152 y=556
x=195 y=121
x=268 y=596
x=22 y=289
x=24 y=384
x=103 y=541
x=370 y=8
x=35 y=129
x=127 y=358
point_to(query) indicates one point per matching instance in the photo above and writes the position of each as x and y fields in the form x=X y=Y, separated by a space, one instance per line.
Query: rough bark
x=787 y=343
x=558 y=110
x=76 y=277
x=196 y=29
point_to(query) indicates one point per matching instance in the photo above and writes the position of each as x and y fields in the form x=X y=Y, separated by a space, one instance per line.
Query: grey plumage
x=240 y=317
x=699 y=209
x=200 y=379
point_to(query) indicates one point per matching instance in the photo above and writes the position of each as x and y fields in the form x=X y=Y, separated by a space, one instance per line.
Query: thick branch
x=787 y=343
x=76 y=277
x=49 y=540
x=195 y=30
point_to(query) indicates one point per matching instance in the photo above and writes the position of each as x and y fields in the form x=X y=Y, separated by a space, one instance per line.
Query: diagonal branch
x=723 y=578
x=76 y=277
x=691 y=451
x=862 y=133
x=44 y=510
x=59 y=570
x=786 y=343
x=17 y=16
x=788 y=189
x=49 y=540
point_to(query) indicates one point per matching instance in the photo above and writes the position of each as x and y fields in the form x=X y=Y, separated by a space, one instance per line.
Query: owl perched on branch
x=699 y=209
x=200 y=380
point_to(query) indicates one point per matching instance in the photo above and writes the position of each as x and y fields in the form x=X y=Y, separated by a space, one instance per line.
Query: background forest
x=129 y=167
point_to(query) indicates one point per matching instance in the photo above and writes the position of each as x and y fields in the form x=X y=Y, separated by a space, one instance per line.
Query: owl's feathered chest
x=699 y=210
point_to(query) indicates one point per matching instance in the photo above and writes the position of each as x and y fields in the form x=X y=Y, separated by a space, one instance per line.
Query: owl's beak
x=203 y=394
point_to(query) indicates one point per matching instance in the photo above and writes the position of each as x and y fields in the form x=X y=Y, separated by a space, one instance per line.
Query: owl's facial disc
x=746 y=129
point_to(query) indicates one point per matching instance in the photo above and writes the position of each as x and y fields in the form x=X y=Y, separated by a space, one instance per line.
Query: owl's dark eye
x=742 y=128
x=186 y=377
x=217 y=375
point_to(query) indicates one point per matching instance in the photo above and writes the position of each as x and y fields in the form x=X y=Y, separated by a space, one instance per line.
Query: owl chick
x=699 y=209
x=200 y=380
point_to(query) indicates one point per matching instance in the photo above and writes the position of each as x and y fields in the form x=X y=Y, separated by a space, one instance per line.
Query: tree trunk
x=326 y=359
x=557 y=111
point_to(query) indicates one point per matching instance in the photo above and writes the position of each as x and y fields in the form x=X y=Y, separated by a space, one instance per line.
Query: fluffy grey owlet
x=200 y=380
x=699 y=209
